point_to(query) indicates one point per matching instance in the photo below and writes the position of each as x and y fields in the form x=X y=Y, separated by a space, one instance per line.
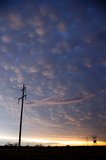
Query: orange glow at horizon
x=53 y=142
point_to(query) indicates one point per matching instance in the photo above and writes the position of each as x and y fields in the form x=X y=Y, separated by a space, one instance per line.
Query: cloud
x=59 y=101
x=64 y=101
x=61 y=47
x=45 y=61
x=59 y=91
x=49 y=10
x=16 y=21
x=45 y=119
x=4 y=49
x=7 y=103
x=11 y=68
x=31 y=34
x=72 y=121
x=54 y=16
x=33 y=69
x=20 y=77
x=40 y=31
x=88 y=63
x=42 y=39
x=104 y=62
x=36 y=21
x=7 y=38
x=38 y=90
x=29 y=68
x=72 y=68
x=62 y=26
x=88 y=39
x=7 y=66
x=49 y=73
x=44 y=9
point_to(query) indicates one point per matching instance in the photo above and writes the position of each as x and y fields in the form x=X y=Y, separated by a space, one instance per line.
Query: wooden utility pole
x=22 y=98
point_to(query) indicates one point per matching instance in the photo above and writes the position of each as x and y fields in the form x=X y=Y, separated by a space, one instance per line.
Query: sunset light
x=49 y=142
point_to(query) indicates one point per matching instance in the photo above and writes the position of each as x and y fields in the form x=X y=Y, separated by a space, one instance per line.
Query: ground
x=53 y=153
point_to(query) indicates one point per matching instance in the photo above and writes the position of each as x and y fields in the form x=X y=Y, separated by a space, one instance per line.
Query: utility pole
x=86 y=141
x=94 y=139
x=22 y=98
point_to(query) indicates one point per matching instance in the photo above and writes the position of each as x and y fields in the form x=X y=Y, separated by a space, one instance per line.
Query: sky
x=57 y=48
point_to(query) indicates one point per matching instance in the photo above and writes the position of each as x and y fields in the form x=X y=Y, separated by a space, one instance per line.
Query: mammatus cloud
x=62 y=26
x=40 y=31
x=7 y=38
x=61 y=47
x=48 y=73
x=36 y=21
x=16 y=21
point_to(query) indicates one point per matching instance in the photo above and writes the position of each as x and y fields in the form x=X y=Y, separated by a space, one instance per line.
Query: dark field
x=53 y=153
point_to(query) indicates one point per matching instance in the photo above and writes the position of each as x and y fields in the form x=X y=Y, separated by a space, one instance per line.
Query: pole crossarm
x=25 y=96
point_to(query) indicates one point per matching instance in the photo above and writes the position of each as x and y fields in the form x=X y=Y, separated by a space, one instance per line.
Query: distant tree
x=11 y=144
